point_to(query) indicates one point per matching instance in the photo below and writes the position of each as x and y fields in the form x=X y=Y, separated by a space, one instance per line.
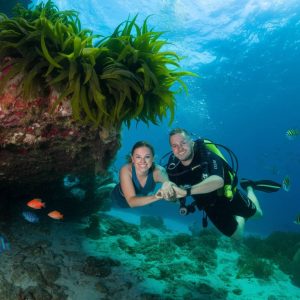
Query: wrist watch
x=188 y=191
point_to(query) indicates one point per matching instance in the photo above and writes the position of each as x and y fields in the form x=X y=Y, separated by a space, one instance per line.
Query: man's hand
x=169 y=196
x=179 y=192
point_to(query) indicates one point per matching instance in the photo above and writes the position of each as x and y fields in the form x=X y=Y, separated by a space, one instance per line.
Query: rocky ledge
x=38 y=147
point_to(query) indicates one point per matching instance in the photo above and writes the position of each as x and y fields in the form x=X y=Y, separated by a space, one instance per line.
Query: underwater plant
x=108 y=80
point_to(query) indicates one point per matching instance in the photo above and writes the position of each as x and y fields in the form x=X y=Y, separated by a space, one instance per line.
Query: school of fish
x=37 y=204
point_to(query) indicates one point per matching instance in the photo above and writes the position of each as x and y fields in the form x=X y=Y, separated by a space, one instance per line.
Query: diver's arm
x=208 y=185
x=136 y=201
x=129 y=192
x=215 y=180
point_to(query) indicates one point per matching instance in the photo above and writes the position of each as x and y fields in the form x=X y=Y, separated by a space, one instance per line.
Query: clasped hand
x=170 y=191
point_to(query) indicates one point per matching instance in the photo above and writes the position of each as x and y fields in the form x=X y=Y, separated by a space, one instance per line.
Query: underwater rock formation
x=38 y=148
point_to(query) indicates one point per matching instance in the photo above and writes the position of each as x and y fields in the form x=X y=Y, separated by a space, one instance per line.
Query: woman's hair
x=140 y=144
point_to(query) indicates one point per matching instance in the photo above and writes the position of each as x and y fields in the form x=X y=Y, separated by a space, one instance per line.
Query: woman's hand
x=159 y=194
x=167 y=192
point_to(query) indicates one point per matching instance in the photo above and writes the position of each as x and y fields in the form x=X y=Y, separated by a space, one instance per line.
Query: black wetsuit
x=219 y=209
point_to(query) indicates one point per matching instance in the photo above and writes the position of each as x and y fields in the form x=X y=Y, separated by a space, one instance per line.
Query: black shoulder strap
x=203 y=152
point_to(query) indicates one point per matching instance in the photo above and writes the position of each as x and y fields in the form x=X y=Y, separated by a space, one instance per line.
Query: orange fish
x=36 y=203
x=55 y=214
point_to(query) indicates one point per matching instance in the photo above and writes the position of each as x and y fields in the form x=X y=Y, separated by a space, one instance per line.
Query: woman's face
x=142 y=158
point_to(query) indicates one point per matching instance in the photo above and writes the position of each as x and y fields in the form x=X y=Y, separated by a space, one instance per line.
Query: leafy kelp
x=112 y=81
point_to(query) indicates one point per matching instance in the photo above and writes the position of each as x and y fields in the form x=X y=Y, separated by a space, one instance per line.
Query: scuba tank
x=231 y=179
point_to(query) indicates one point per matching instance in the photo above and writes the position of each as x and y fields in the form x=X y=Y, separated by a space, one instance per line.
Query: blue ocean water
x=247 y=96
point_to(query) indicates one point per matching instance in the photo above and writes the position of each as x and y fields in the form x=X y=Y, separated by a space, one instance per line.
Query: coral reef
x=119 y=227
x=92 y=230
x=295 y=267
x=280 y=248
x=251 y=266
x=58 y=261
x=152 y=222
x=100 y=267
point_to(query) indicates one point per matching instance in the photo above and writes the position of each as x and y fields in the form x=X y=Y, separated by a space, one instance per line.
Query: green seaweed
x=123 y=77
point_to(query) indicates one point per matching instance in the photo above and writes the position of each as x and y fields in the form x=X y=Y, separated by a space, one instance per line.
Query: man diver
x=205 y=176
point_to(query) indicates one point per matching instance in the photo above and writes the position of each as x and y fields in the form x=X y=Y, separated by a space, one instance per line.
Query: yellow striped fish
x=291 y=133
x=297 y=221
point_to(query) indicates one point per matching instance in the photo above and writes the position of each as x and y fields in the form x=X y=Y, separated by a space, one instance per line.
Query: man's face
x=182 y=146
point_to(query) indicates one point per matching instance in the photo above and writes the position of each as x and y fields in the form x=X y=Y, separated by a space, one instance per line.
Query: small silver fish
x=286 y=183
x=297 y=221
